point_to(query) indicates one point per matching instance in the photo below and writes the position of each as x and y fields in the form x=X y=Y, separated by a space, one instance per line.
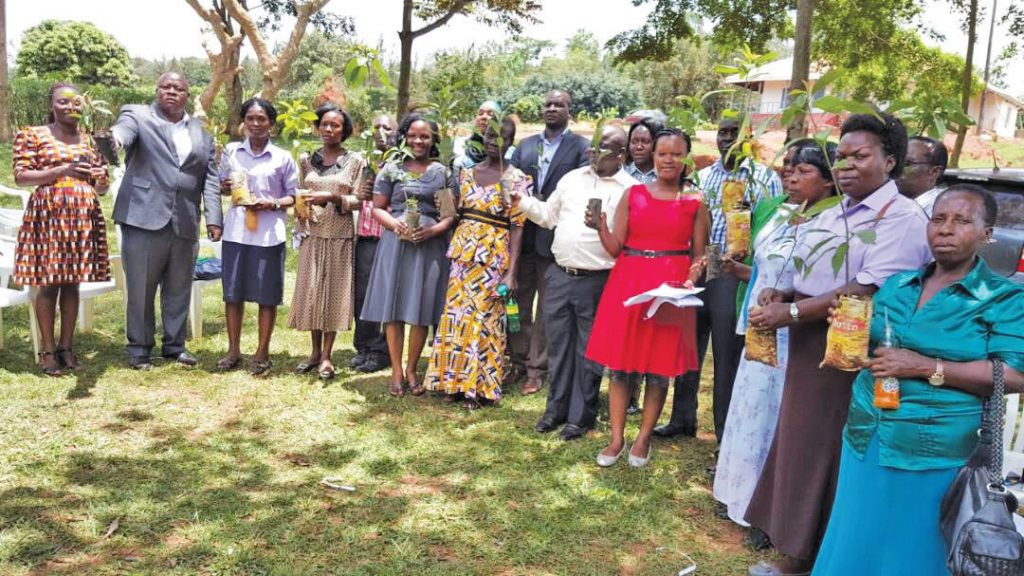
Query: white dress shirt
x=927 y=199
x=576 y=245
x=182 y=139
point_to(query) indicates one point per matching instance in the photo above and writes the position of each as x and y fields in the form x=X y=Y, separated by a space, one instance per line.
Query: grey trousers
x=717 y=320
x=529 y=346
x=570 y=305
x=369 y=336
x=152 y=259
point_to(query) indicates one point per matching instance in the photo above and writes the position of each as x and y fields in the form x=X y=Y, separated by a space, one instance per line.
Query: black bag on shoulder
x=976 y=517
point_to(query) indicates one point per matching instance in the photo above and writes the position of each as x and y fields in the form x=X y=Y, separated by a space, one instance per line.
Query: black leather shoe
x=572 y=432
x=185 y=358
x=374 y=363
x=672 y=430
x=358 y=360
x=634 y=408
x=545 y=425
x=139 y=363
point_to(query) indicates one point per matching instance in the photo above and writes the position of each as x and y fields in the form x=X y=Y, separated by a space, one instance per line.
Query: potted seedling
x=92 y=117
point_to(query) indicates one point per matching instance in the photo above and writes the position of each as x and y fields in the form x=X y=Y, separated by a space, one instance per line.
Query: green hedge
x=30 y=104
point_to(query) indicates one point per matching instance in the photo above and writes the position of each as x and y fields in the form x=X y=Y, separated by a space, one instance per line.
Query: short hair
x=937 y=153
x=507 y=125
x=264 y=104
x=889 y=130
x=328 y=107
x=652 y=126
x=811 y=153
x=988 y=201
x=53 y=91
x=672 y=132
x=435 y=133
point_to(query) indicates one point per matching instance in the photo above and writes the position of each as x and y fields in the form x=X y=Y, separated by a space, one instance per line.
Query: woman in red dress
x=63 y=238
x=658 y=236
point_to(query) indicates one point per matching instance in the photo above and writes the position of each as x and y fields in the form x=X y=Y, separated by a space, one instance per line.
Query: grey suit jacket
x=155 y=189
x=571 y=154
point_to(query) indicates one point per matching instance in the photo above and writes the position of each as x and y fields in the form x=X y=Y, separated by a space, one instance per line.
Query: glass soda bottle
x=511 y=308
x=887 y=390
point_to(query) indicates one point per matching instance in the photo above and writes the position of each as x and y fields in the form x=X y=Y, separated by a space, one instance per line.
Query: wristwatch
x=277 y=203
x=939 y=378
x=794 y=312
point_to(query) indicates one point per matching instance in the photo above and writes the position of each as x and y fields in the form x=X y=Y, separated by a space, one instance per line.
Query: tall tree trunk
x=233 y=97
x=988 y=67
x=965 y=87
x=5 y=121
x=405 y=64
x=801 y=62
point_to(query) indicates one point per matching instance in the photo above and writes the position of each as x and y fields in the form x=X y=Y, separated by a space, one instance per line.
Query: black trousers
x=369 y=336
x=570 y=304
x=716 y=321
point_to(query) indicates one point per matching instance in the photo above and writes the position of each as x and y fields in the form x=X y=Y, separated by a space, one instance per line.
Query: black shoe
x=671 y=430
x=185 y=358
x=634 y=408
x=139 y=363
x=710 y=471
x=722 y=511
x=374 y=363
x=358 y=360
x=545 y=425
x=757 y=539
x=572 y=432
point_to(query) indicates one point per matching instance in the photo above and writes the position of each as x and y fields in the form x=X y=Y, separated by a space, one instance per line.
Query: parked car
x=1006 y=254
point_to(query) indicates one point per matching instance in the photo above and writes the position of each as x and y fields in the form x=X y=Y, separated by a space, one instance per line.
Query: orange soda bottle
x=887 y=390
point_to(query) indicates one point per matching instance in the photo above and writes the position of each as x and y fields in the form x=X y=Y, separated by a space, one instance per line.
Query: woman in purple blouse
x=793 y=497
x=255 y=234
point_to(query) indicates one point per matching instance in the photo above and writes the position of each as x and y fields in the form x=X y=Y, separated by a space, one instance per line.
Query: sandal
x=62 y=360
x=259 y=368
x=305 y=367
x=326 y=373
x=228 y=363
x=471 y=404
x=54 y=371
x=416 y=388
x=396 y=389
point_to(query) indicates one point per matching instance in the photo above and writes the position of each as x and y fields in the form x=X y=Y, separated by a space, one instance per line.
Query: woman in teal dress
x=948 y=320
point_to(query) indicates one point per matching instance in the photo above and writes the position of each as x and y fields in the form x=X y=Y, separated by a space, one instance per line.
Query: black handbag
x=976 y=517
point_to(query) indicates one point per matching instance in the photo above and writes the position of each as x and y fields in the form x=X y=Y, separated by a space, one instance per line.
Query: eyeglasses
x=909 y=163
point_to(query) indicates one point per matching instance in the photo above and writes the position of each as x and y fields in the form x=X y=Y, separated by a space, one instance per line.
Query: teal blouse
x=981 y=316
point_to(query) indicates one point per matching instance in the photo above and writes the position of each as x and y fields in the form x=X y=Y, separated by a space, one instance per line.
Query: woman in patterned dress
x=470 y=342
x=322 y=303
x=63 y=238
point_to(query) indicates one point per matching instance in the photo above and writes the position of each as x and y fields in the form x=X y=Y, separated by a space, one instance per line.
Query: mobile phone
x=594 y=208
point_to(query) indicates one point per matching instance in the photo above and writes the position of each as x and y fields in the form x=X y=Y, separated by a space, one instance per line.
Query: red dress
x=622 y=339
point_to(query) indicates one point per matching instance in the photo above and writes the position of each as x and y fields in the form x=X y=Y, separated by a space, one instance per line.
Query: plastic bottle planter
x=762 y=345
x=412 y=214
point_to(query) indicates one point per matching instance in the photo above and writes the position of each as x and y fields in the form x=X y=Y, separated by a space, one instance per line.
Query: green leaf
x=726 y=70
x=361 y=73
x=382 y=74
x=827 y=79
x=867 y=236
x=822 y=205
x=350 y=69
x=839 y=258
x=829 y=103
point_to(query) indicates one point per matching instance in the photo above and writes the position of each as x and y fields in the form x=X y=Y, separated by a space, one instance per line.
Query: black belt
x=577 y=272
x=485 y=217
x=655 y=253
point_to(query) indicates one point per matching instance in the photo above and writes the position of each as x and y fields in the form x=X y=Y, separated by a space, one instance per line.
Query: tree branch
x=456 y=8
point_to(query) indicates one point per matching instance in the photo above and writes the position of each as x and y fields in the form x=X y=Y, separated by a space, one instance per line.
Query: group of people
x=573 y=229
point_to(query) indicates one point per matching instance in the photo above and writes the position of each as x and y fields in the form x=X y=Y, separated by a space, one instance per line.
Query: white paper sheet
x=666 y=294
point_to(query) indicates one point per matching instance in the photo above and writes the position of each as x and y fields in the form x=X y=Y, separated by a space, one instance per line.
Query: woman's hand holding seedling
x=770 y=317
x=225 y=187
x=365 y=192
x=771 y=296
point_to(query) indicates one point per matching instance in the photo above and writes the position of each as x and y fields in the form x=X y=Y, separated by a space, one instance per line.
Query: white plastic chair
x=89 y=291
x=10 y=218
x=1013 y=439
x=15 y=297
x=195 y=307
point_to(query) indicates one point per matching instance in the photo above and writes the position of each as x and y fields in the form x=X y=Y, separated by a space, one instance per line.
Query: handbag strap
x=992 y=428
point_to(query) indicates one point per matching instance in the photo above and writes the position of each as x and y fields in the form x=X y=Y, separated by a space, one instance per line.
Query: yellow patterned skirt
x=470 y=342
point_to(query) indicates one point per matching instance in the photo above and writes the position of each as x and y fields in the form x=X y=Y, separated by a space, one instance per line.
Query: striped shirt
x=639 y=175
x=368 y=226
x=766 y=183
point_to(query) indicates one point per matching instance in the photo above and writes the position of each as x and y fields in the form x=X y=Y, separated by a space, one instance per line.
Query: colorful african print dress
x=470 y=343
x=63 y=238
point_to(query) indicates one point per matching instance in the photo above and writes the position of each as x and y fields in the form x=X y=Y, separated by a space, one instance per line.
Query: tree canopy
x=75 y=51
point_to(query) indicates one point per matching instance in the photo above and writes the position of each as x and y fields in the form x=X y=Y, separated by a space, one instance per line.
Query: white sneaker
x=607 y=461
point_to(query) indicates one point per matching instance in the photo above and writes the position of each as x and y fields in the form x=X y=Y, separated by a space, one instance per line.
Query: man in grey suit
x=545 y=157
x=170 y=170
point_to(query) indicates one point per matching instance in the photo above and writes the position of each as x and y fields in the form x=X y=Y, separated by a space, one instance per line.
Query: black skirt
x=253 y=273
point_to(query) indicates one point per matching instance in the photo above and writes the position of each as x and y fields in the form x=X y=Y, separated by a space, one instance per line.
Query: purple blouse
x=271 y=174
x=900 y=241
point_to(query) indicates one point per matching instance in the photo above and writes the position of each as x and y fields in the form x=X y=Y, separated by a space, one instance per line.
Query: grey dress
x=408 y=281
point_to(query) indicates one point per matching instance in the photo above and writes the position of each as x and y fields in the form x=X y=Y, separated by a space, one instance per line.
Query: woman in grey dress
x=410 y=271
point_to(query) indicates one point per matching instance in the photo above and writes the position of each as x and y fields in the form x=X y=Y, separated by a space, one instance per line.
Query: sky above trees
x=176 y=29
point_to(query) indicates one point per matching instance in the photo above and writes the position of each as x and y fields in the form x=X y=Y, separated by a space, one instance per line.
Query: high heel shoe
x=607 y=461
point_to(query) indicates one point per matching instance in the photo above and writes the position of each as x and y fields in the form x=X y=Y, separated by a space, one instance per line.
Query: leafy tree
x=436 y=13
x=464 y=70
x=76 y=51
x=688 y=70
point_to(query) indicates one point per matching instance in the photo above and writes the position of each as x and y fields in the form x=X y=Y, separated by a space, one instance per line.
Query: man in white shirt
x=925 y=164
x=575 y=282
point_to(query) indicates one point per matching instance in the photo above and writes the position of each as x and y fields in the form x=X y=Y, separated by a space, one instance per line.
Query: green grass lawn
x=210 y=473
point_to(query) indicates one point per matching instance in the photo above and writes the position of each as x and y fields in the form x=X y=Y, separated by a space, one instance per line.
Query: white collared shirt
x=927 y=199
x=182 y=139
x=576 y=245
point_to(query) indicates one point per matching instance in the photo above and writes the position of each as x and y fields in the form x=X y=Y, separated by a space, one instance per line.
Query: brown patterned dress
x=63 y=237
x=324 y=288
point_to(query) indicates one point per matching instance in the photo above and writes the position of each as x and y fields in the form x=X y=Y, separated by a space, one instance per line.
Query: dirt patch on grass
x=415 y=486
